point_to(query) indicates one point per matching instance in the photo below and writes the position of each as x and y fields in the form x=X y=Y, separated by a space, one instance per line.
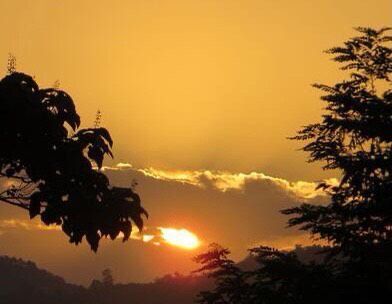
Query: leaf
x=93 y=239
x=126 y=228
x=35 y=205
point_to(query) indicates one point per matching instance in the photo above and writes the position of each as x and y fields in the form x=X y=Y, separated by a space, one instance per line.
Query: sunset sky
x=200 y=97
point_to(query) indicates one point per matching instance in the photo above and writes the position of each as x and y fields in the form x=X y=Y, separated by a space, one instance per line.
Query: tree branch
x=20 y=204
x=21 y=178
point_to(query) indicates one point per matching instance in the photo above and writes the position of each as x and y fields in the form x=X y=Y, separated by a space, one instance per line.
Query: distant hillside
x=23 y=282
x=170 y=289
x=305 y=254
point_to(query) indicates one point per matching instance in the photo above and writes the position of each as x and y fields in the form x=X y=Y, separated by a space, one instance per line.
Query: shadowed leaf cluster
x=48 y=165
x=354 y=138
x=278 y=278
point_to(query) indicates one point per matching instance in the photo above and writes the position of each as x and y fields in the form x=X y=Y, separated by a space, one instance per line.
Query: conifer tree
x=354 y=137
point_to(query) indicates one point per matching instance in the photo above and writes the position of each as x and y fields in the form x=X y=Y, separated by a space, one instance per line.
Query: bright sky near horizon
x=186 y=88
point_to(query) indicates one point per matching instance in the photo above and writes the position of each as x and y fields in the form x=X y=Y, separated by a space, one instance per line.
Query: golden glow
x=147 y=237
x=180 y=237
x=180 y=83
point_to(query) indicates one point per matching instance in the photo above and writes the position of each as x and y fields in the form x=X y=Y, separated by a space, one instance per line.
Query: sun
x=180 y=237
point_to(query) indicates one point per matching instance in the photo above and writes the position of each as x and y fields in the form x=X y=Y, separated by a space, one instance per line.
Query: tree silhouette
x=279 y=278
x=107 y=277
x=230 y=281
x=50 y=167
x=355 y=137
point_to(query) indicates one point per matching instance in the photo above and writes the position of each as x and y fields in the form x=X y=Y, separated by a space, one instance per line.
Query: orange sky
x=196 y=85
x=190 y=84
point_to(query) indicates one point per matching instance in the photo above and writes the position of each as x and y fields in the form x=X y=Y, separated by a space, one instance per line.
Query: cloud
x=119 y=166
x=237 y=210
x=26 y=225
x=224 y=180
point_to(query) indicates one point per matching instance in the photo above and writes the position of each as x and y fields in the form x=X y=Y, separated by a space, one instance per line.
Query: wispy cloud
x=224 y=180
x=26 y=225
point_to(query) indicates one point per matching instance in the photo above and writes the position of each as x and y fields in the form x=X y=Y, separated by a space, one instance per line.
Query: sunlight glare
x=180 y=237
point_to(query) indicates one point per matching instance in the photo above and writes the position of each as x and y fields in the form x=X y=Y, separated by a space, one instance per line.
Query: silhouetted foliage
x=231 y=281
x=355 y=137
x=277 y=278
x=47 y=165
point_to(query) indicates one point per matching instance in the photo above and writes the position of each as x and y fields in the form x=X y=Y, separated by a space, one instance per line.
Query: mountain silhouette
x=24 y=282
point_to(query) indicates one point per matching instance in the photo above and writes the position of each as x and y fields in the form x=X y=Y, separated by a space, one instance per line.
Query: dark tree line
x=354 y=137
x=47 y=164
x=278 y=278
